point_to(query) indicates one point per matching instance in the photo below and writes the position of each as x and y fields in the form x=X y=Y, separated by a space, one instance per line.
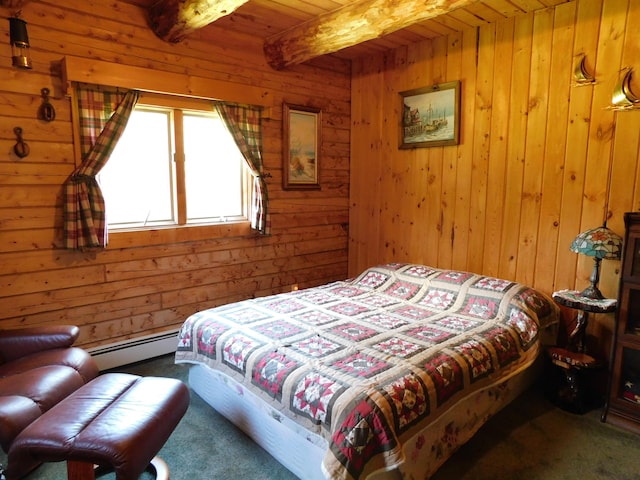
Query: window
x=175 y=164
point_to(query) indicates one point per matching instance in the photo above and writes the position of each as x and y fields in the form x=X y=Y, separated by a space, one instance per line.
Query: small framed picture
x=430 y=116
x=301 y=143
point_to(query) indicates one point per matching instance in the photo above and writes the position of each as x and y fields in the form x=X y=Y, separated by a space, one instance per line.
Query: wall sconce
x=623 y=97
x=581 y=75
x=19 y=43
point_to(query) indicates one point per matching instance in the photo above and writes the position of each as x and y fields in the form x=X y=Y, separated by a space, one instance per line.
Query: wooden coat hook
x=21 y=149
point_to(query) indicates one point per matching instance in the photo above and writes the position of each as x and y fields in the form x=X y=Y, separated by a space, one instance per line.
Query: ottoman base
x=87 y=471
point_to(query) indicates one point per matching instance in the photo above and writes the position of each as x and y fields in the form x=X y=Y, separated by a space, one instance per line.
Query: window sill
x=177 y=234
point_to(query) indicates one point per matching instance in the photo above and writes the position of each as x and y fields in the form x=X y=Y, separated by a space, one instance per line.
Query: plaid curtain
x=244 y=123
x=103 y=118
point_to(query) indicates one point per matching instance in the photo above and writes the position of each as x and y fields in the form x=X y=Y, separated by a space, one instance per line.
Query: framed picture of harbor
x=301 y=141
x=430 y=116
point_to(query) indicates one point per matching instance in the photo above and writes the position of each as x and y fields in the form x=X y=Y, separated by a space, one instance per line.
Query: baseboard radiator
x=134 y=349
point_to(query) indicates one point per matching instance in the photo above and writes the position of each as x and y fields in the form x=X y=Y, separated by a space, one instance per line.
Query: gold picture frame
x=301 y=143
x=430 y=116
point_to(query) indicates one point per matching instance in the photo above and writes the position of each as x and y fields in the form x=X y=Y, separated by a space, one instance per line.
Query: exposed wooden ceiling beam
x=352 y=24
x=172 y=20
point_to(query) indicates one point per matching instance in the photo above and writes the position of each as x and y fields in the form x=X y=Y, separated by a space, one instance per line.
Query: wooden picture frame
x=301 y=127
x=430 y=116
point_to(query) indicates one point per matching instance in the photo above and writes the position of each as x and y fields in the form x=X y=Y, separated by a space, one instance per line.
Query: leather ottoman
x=117 y=420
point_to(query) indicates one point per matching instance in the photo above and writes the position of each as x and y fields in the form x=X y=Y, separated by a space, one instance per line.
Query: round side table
x=584 y=306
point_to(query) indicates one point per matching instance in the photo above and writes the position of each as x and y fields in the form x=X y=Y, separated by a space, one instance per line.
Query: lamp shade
x=599 y=243
x=19 y=38
x=18 y=31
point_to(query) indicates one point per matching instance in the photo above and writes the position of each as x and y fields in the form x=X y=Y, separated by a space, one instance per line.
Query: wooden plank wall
x=142 y=285
x=532 y=165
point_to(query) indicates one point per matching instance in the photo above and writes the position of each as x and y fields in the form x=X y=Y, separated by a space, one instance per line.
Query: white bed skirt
x=282 y=439
x=302 y=452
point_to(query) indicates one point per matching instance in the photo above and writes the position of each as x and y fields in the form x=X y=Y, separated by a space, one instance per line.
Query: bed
x=381 y=376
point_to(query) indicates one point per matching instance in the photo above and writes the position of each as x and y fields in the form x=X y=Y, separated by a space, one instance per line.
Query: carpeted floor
x=533 y=440
x=528 y=440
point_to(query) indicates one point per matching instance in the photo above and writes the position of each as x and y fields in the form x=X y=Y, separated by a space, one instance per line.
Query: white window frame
x=179 y=106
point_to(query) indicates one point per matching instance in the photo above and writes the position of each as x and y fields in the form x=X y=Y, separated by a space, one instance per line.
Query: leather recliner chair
x=39 y=367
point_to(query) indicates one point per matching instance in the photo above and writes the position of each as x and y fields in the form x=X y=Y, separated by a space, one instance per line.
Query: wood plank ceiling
x=295 y=31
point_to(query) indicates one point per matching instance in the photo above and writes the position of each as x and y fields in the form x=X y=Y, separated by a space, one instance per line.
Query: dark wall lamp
x=19 y=38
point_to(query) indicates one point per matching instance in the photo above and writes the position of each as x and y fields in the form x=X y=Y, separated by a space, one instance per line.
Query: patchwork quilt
x=369 y=361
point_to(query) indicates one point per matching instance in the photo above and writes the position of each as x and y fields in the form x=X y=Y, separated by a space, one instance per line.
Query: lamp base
x=21 y=62
x=592 y=292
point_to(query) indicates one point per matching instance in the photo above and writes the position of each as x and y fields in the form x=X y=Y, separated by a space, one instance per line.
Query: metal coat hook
x=21 y=149
x=46 y=111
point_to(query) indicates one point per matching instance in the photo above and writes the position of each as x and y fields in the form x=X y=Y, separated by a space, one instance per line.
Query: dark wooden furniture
x=623 y=403
x=584 y=306
x=570 y=383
